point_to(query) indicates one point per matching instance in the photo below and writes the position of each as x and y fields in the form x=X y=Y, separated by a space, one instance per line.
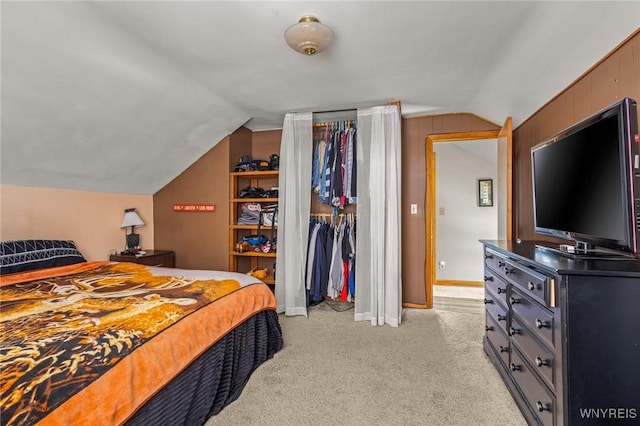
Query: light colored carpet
x=332 y=370
x=459 y=304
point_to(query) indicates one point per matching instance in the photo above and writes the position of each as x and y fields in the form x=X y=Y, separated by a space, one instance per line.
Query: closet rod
x=336 y=110
x=335 y=115
x=328 y=123
x=329 y=111
x=331 y=214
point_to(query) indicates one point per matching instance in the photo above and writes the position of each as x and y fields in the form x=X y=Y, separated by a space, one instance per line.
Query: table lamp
x=133 y=220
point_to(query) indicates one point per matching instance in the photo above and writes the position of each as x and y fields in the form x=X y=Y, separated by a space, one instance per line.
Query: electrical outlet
x=414 y=209
x=442 y=264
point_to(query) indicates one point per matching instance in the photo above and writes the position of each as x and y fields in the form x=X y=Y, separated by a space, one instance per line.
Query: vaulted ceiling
x=122 y=96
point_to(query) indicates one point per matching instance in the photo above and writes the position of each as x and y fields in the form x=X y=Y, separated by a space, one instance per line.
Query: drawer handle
x=488 y=328
x=543 y=407
x=515 y=367
x=501 y=263
x=508 y=271
x=513 y=300
x=540 y=362
x=502 y=317
x=488 y=278
x=488 y=301
x=531 y=286
x=541 y=324
x=488 y=256
x=501 y=290
x=503 y=349
x=513 y=331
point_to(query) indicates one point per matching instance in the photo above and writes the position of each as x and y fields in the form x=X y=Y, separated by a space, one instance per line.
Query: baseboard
x=414 y=305
x=460 y=283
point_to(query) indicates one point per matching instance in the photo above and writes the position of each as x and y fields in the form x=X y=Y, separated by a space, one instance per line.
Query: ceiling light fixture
x=308 y=36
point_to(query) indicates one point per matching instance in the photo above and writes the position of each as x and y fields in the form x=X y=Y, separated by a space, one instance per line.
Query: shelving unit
x=245 y=261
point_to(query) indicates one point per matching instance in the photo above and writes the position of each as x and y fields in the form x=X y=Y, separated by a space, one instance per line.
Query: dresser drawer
x=496 y=286
x=532 y=282
x=493 y=260
x=539 y=399
x=496 y=311
x=498 y=339
x=541 y=358
x=533 y=316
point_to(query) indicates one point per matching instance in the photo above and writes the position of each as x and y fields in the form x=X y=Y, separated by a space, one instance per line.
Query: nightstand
x=164 y=258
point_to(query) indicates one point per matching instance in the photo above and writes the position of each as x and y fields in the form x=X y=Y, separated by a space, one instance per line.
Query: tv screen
x=584 y=181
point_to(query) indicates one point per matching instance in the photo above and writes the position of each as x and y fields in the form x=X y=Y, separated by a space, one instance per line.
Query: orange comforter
x=91 y=343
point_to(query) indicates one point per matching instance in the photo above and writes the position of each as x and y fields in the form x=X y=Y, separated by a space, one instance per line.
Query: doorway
x=502 y=196
x=464 y=170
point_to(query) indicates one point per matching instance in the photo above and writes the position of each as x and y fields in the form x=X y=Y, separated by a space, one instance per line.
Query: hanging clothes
x=336 y=274
x=320 y=144
x=330 y=265
x=336 y=170
x=325 y=173
x=350 y=166
x=334 y=166
x=330 y=270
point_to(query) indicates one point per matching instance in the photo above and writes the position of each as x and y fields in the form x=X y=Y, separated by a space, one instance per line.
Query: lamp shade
x=308 y=36
x=131 y=218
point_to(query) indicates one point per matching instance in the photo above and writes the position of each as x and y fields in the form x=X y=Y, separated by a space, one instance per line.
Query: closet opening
x=330 y=271
x=375 y=154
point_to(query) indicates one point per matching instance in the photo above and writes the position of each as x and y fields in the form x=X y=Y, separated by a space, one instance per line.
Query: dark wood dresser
x=564 y=333
x=164 y=258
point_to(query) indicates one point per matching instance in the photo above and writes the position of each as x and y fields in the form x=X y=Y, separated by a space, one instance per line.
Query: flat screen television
x=586 y=183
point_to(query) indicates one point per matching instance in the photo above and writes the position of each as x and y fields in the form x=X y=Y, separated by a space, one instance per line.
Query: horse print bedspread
x=63 y=335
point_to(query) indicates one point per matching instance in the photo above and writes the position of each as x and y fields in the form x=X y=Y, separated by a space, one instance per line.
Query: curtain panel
x=294 y=205
x=378 y=247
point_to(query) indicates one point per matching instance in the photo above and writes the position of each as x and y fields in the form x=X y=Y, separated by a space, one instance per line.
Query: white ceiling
x=122 y=96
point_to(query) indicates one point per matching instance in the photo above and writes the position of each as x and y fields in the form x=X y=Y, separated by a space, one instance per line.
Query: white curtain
x=378 y=248
x=294 y=189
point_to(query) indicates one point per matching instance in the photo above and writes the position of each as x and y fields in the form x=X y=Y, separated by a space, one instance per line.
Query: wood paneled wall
x=414 y=176
x=615 y=77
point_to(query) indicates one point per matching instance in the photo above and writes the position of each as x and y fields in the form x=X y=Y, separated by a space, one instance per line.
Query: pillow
x=28 y=255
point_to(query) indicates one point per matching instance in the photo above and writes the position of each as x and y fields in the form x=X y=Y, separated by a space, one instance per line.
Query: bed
x=121 y=343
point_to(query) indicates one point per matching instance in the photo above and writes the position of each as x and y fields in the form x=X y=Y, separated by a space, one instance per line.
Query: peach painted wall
x=91 y=219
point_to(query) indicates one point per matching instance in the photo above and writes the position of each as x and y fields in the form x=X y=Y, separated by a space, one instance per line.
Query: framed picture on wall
x=485 y=192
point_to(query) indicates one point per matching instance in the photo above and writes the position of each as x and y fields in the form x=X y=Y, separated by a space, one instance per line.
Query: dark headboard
x=28 y=255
